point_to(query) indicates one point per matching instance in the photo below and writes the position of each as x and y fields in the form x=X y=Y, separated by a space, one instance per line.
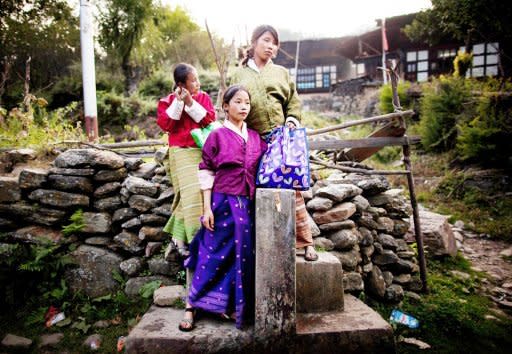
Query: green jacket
x=273 y=96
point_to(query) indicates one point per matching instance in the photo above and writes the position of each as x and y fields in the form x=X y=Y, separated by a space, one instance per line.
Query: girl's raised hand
x=208 y=220
x=186 y=96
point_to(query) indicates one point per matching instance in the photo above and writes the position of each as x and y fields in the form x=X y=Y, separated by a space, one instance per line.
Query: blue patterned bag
x=285 y=164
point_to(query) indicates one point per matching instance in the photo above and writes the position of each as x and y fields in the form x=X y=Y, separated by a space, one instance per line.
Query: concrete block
x=275 y=262
x=319 y=284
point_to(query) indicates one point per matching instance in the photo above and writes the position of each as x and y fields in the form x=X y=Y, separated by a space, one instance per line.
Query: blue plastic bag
x=285 y=164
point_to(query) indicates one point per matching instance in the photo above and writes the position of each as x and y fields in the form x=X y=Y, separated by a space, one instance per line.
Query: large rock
x=59 y=199
x=94 y=273
x=96 y=223
x=438 y=236
x=9 y=189
x=338 y=192
x=137 y=185
x=37 y=235
x=89 y=158
x=32 y=178
x=340 y=212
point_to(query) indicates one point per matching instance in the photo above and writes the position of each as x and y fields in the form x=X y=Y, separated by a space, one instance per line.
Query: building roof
x=311 y=52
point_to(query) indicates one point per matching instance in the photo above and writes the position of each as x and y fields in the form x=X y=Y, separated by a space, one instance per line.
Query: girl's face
x=192 y=83
x=238 y=107
x=265 y=47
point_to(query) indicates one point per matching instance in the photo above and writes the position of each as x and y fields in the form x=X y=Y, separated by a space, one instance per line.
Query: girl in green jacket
x=274 y=102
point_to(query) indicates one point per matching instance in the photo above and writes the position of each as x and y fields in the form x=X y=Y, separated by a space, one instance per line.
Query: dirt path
x=495 y=259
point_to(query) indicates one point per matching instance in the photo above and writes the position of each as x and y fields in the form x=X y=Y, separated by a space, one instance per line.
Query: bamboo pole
x=352 y=123
x=392 y=72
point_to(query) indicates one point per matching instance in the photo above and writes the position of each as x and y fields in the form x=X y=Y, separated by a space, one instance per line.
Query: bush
x=157 y=85
x=386 y=97
x=443 y=106
x=34 y=126
x=116 y=110
x=486 y=138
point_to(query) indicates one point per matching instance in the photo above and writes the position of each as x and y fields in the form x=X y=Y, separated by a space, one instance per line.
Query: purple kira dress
x=224 y=260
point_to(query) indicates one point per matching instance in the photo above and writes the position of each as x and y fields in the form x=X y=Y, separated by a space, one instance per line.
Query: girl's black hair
x=257 y=33
x=181 y=72
x=232 y=91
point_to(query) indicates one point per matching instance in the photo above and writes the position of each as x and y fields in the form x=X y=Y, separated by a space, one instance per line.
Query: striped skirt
x=187 y=205
x=304 y=237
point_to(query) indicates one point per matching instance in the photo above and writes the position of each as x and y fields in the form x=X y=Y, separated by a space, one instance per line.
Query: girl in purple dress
x=222 y=252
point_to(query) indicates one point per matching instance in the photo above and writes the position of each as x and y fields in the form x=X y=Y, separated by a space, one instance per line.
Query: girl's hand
x=208 y=220
x=186 y=97
x=178 y=93
x=291 y=125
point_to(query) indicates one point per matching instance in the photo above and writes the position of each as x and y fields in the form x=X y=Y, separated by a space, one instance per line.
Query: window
x=316 y=77
x=360 y=69
x=485 y=59
x=417 y=65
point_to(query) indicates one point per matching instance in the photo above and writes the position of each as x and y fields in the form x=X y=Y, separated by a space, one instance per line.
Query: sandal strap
x=189 y=309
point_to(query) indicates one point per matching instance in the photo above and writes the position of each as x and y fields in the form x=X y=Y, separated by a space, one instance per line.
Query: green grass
x=452 y=315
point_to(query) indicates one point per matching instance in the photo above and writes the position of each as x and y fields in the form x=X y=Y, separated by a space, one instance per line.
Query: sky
x=235 y=19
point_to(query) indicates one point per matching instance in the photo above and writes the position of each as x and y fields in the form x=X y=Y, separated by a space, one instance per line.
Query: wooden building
x=418 y=61
x=324 y=63
x=318 y=64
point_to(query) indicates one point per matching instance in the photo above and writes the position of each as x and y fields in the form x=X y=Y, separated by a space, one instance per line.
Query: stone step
x=319 y=284
x=357 y=329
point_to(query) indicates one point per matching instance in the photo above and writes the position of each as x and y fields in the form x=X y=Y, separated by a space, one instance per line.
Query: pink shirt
x=233 y=160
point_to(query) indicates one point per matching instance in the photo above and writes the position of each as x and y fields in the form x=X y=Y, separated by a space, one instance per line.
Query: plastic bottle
x=398 y=316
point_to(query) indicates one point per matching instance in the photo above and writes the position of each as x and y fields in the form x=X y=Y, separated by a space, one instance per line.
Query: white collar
x=244 y=134
x=252 y=64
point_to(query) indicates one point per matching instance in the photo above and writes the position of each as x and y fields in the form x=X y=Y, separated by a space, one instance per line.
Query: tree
x=464 y=20
x=45 y=31
x=469 y=21
x=138 y=34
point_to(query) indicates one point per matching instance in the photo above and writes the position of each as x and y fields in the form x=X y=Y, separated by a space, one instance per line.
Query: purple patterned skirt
x=223 y=260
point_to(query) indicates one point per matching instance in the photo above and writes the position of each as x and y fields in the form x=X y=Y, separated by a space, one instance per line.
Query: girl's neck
x=238 y=124
x=260 y=63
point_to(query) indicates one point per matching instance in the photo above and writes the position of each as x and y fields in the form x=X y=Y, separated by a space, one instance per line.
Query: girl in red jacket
x=184 y=109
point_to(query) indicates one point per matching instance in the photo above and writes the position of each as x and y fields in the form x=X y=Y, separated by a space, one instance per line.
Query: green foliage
x=443 y=105
x=462 y=63
x=462 y=20
x=33 y=126
x=147 y=290
x=45 y=31
x=157 y=85
x=486 y=138
x=452 y=315
x=386 y=97
x=115 y=110
x=77 y=223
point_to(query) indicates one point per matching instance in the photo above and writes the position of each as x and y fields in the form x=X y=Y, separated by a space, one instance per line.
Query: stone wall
x=362 y=221
x=126 y=202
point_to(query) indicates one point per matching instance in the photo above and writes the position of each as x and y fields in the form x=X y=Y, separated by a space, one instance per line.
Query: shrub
x=386 y=97
x=157 y=85
x=115 y=111
x=486 y=138
x=443 y=106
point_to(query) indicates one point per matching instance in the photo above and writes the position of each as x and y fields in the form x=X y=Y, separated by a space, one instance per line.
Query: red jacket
x=179 y=130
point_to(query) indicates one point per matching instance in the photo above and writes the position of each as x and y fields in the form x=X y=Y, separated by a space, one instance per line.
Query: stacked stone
x=363 y=223
x=125 y=204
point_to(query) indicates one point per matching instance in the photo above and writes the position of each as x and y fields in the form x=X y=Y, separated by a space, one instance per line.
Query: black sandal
x=189 y=322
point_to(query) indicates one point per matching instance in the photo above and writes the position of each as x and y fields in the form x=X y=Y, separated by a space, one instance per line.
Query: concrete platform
x=319 y=284
x=357 y=329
